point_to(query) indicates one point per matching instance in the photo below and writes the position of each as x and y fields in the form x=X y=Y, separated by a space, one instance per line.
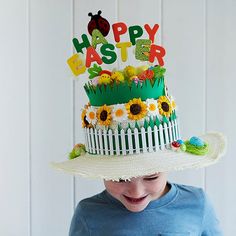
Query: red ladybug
x=98 y=22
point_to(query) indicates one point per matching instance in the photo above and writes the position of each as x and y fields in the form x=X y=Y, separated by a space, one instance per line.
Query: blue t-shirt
x=184 y=210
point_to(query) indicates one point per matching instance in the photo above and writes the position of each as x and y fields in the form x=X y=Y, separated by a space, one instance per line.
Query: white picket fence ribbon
x=130 y=141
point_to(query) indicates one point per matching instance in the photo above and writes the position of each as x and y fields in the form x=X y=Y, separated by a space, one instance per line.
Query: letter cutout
x=119 y=29
x=157 y=52
x=92 y=56
x=79 y=46
x=151 y=32
x=76 y=65
x=110 y=53
x=142 y=50
x=135 y=31
x=123 y=46
x=97 y=38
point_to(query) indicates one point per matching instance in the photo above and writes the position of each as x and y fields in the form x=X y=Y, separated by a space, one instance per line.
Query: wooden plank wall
x=40 y=102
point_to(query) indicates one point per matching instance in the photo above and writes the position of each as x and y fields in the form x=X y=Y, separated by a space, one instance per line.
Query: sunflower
x=164 y=106
x=104 y=115
x=91 y=115
x=119 y=113
x=85 y=122
x=136 y=109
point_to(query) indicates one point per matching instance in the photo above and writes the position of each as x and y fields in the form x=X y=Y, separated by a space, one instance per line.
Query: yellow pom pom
x=129 y=71
x=117 y=77
x=141 y=69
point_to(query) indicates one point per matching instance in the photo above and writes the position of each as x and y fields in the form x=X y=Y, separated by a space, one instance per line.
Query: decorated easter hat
x=130 y=123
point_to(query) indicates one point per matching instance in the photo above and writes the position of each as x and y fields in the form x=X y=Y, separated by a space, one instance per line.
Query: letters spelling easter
x=145 y=49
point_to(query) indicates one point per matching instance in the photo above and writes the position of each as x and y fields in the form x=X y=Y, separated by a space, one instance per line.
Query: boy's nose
x=135 y=189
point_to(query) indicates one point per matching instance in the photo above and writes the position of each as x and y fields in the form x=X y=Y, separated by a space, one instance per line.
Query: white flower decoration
x=152 y=107
x=172 y=102
x=91 y=115
x=119 y=113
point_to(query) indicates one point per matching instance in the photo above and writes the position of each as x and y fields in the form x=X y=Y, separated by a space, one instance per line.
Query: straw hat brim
x=126 y=167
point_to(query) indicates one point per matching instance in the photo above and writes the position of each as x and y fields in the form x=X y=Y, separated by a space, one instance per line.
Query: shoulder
x=191 y=196
x=85 y=215
x=187 y=190
x=92 y=203
x=81 y=222
x=92 y=213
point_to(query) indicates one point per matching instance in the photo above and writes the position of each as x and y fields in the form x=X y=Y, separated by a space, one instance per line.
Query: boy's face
x=136 y=194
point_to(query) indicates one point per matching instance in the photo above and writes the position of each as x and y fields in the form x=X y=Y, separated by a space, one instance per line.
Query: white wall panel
x=221 y=85
x=183 y=38
x=14 y=119
x=51 y=93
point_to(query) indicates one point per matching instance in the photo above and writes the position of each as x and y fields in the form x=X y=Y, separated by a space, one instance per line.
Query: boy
x=132 y=138
x=147 y=205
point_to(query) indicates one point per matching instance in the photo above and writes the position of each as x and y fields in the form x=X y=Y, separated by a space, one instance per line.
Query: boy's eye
x=151 y=178
x=122 y=181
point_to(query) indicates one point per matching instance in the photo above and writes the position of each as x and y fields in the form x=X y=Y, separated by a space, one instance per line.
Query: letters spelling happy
x=145 y=49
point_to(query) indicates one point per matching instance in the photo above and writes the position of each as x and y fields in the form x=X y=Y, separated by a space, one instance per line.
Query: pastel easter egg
x=95 y=80
x=180 y=141
x=183 y=147
x=78 y=150
x=175 y=146
x=196 y=142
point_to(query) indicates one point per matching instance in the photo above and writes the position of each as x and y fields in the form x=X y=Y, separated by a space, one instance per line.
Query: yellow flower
x=136 y=109
x=117 y=77
x=141 y=69
x=129 y=71
x=104 y=115
x=164 y=106
x=85 y=122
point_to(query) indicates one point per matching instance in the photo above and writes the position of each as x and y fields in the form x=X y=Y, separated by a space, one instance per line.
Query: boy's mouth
x=134 y=200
